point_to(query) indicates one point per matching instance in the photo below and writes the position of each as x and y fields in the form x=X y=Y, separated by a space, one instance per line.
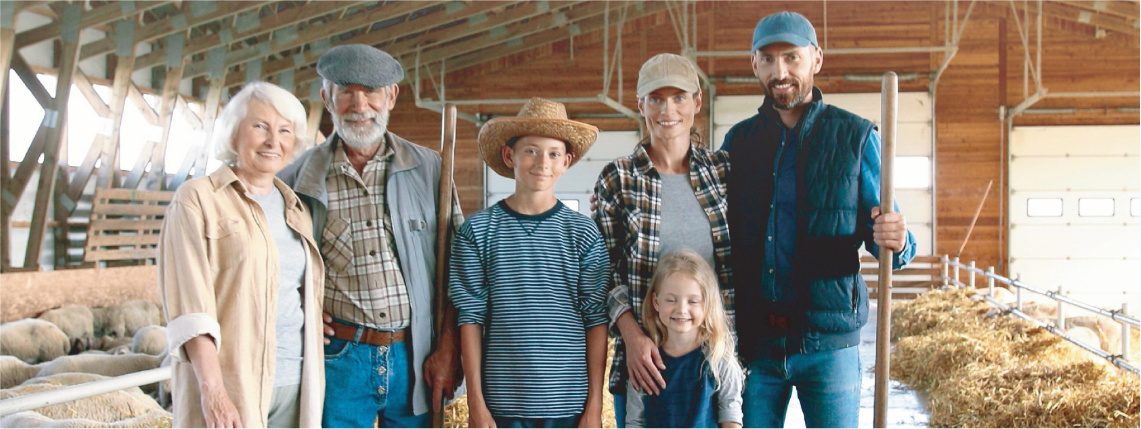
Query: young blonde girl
x=684 y=316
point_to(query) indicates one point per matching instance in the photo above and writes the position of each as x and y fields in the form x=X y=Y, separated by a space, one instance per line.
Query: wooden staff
x=889 y=101
x=443 y=231
x=978 y=211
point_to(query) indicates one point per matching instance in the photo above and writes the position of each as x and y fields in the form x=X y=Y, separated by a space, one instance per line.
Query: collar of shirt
x=341 y=164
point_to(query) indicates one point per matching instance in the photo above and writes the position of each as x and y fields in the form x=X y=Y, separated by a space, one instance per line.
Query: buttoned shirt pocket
x=227 y=239
x=337 y=246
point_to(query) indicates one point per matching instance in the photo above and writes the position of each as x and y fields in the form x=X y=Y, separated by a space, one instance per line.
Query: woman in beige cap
x=668 y=195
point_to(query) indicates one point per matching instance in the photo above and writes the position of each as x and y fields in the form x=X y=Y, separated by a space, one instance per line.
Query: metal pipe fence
x=952 y=267
x=80 y=391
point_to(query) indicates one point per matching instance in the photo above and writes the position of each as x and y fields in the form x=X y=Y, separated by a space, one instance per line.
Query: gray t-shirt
x=291 y=265
x=684 y=223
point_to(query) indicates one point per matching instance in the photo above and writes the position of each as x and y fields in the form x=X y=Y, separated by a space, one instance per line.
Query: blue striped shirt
x=535 y=283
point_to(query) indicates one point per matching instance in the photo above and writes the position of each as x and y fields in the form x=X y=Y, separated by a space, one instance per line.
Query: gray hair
x=286 y=104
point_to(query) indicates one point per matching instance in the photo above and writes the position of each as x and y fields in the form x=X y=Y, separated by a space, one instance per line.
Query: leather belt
x=371 y=336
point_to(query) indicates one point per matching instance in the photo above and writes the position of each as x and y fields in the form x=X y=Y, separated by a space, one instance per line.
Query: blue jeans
x=620 y=410
x=366 y=384
x=518 y=422
x=827 y=385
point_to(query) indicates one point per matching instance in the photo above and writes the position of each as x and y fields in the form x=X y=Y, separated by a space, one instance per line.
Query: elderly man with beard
x=373 y=199
x=798 y=213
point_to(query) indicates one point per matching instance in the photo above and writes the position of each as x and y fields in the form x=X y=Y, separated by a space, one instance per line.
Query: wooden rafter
x=55 y=135
x=1083 y=16
x=269 y=24
x=7 y=41
x=84 y=86
x=110 y=12
x=390 y=34
x=320 y=32
x=170 y=25
x=108 y=176
x=590 y=24
x=1124 y=9
x=195 y=160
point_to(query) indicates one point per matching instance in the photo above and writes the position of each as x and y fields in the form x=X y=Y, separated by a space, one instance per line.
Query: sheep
x=1108 y=331
x=32 y=419
x=76 y=321
x=101 y=409
x=14 y=371
x=150 y=340
x=106 y=365
x=122 y=320
x=33 y=340
x=108 y=343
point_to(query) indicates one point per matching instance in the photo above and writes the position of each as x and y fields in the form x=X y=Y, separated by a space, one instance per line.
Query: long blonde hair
x=717 y=341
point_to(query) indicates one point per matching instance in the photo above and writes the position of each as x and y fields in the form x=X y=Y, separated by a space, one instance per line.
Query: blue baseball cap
x=788 y=27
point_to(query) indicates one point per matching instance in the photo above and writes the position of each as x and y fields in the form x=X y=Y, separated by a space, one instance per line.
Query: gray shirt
x=684 y=223
x=291 y=266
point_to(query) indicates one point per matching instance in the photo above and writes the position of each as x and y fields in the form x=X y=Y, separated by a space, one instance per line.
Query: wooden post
x=443 y=230
x=890 y=96
x=55 y=122
x=7 y=43
x=108 y=176
x=194 y=164
x=5 y=225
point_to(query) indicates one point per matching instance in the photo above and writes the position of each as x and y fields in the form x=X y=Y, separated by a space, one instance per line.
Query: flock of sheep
x=76 y=344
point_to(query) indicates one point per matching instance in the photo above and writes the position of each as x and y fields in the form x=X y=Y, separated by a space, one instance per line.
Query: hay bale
x=981 y=370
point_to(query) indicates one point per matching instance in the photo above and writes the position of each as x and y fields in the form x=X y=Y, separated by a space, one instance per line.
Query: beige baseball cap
x=664 y=70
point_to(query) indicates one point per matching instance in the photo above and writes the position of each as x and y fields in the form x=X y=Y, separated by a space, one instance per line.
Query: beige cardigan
x=218 y=275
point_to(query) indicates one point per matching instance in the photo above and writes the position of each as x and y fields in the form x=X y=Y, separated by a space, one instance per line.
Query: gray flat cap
x=358 y=64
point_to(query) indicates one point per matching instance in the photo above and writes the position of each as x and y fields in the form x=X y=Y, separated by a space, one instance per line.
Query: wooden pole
x=975 y=219
x=443 y=229
x=889 y=102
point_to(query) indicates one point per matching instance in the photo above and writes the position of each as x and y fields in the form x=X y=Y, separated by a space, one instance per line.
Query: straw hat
x=538 y=117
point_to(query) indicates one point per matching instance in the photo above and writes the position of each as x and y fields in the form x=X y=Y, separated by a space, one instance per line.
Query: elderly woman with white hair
x=240 y=277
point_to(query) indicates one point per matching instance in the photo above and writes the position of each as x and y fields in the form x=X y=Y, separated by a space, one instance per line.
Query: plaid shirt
x=629 y=215
x=363 y=280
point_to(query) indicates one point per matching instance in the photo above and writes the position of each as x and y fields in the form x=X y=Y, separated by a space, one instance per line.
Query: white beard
x=362 y=137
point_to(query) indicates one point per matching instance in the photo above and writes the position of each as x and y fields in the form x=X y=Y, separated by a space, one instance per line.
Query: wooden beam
x=1064 y=12
x=282 y=19
x=319 y=32
x=140 y=103
x=113 y=11
x=543 y=11
x=5 y=166
x=1124 y=9
x=56 y=131
x=590 y=24
x=19 y=181
x=120 y=90
x=31 y=81
x=157 y=174
x=7 y=41
x=196 y=158
x=388 y=34
x=171 y=25
x=316 y=111
x=84 y=86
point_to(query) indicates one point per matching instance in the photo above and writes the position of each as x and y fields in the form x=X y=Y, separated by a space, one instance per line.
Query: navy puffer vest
x=829 y=303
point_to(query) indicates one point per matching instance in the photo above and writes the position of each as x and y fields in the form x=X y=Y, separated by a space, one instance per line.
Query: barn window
x=912 y=172
x=1095 y=207
x=1044 y=207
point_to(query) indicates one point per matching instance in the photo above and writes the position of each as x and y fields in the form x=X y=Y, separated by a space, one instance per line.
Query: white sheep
x=122 y=320
x=110 y=344
x=101 y=409
x=150 y=340
x=74 y=320
x=14 y=371
x=32 y=419
x=106 y=365
x=33 y=340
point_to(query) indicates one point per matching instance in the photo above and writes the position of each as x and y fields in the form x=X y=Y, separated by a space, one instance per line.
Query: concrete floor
x=905 y=407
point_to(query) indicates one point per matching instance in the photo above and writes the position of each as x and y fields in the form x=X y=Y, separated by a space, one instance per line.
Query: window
x=1044 y=207
x=1095 y=207
x=1135 y=207
x=912 y=172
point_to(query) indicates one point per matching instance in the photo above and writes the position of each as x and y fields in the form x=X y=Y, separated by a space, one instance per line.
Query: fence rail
x=951 y=268
x=80 y=391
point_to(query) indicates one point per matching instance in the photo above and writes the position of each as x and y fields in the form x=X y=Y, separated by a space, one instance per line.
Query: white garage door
x=577 y=184
x=1074 y=207
x=913 y=189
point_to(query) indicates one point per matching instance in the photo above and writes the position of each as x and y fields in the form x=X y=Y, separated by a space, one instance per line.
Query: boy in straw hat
x=528 y=276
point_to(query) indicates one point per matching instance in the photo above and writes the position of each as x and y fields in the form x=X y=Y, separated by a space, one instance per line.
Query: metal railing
x=80 y=391
x=950 y=275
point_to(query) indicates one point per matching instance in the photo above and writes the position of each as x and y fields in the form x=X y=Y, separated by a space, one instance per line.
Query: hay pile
x=1000 y=371
x=456 y=414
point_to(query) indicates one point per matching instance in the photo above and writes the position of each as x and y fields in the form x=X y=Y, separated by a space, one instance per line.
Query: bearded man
x=372 y=195
x=803 y=196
